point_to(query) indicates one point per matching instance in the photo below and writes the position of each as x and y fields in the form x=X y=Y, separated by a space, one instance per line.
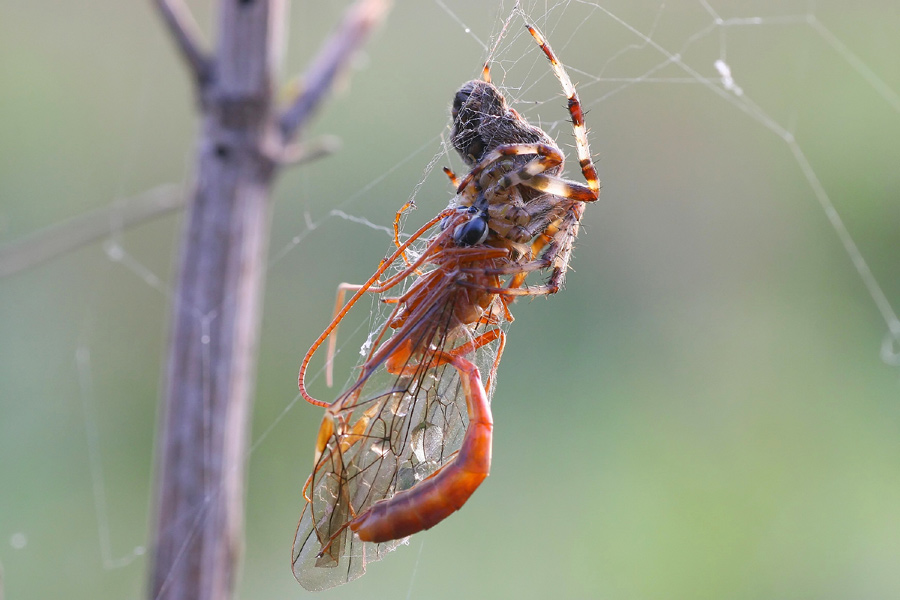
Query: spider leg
x=452 y=176
x=514 y=219
x=563 y=188
x=549 y=153
x=581 y=141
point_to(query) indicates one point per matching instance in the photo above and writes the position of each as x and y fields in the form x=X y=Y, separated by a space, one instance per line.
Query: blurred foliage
x=703 y=413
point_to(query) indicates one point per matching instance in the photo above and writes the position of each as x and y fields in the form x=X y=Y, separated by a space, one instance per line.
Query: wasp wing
x=390 y=430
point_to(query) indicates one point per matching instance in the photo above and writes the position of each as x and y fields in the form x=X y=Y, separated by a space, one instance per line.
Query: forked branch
x=332 y=59
x=186 y=33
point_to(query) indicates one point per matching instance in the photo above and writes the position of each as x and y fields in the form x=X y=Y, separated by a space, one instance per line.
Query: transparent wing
x=390 y=430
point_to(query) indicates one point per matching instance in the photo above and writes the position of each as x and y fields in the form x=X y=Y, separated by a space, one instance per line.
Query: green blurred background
x=704 y=413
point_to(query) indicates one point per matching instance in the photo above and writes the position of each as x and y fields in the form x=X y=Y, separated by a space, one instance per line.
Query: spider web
x=707 y=411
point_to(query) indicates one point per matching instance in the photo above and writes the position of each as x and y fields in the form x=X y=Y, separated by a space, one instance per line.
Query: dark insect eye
x=472 y=232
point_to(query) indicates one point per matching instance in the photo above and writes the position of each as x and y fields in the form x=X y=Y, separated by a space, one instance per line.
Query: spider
x=409 y=441
x=515 y=182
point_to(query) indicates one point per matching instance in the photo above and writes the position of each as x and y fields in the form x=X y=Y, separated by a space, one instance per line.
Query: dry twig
x=216 y=313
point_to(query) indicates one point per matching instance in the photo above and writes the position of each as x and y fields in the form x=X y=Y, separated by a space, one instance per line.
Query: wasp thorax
x=473 y=231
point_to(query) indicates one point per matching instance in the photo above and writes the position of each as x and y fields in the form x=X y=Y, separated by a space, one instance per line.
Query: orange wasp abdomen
x=445 y=491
